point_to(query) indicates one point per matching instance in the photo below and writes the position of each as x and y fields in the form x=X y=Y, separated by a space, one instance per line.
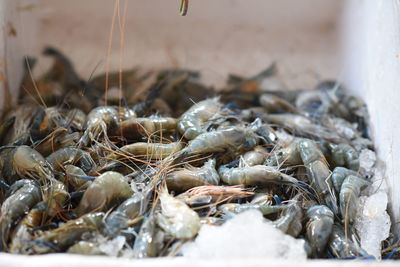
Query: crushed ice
x=247 y=235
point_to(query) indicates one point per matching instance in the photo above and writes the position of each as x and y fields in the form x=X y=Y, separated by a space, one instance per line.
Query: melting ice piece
x=367 y=161
x=373 y=222
x=112 y=247
x=247 y=235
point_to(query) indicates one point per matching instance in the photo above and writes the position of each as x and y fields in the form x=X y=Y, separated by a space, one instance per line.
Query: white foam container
x=356 y=41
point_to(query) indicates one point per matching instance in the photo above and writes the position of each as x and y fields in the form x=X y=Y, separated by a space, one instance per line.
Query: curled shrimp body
x=342 y=247
x=254 y=175
x=227 y=139
x=24 y=194
x=103 y=119
x=56 y=140
x=290 y=220
x=148 y=150
x=60 y=239
x=319 y=227
x=318 y=171
x=182 y=180
x=135 y=128
x=349 y=193
x=257 y=156
x=24 y=232
x=71 y=156
x=106 y=190
x=190 y=124
x=176 y=218
x=24 y=162
x=346 y=156
x=338 y=176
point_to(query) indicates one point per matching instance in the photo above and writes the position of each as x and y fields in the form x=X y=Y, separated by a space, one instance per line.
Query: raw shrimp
x=103 y=119
x=318 y=172
x=145 y=242
x=71 y=156
x=191 y=122
x=67 y=234
x=105 y=191
x=24 y=162
x=344 y=155
x=206 y=194
x=275 y=104
x=176 y=218
x=229 y=139
x=156 y=151
x=56 y=140
x=56 y=195
x=349 y=193
x=257 y=156
x=291 y=218
x=235 y=208
x=342 y=247
x=23 y=195
x=254 y=175
x=338 y=176
x=24 y=232
x=302 y=126
x=136 y=128
x=189 y=177
x=285 y=156
x=74 y=177
x=319 y=228
x=85 y=248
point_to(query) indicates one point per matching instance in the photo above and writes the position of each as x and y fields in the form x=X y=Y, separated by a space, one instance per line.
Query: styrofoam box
x=355 y=41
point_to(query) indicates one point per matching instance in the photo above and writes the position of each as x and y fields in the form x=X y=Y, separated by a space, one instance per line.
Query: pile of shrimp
x=151 y=156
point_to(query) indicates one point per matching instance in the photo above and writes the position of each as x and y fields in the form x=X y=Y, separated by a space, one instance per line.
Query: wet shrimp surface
x=140 y=164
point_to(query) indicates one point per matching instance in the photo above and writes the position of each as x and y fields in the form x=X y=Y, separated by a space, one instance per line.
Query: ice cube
x=373 y=222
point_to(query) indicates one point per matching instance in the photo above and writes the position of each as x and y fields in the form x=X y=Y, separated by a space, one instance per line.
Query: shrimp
x=257 y=156
x=148 y=150
x=234 y=139
x=348 y=197
x=127 y=211
x=55 y=195
x=73 y=177
x=176 y=218
x=76 y=118
x=105 y=191
x=319 y=227
x=190 y=124
x=338 y=176
x=85 y=248
x=71 y=156
x=135 y=128
x=346 y=156
x=318 y=172
x=103 y=119
x=56 y=140
x=23 y=195
x=206 y=194
x=145 y=242
x=235 y=208
x=302 y=126
x=275 y=104
x=342 y=247
x=45 y=121
x=254 y=175
x=286 y=156
x=184 y=179
x=291 y=218
x=24 y=232
x=67 y=234
x=24 y=162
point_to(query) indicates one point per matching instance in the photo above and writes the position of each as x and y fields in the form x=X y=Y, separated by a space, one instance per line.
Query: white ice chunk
x=247 y=235
x=367 y=161
x=373 y=222
x=112 y=247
